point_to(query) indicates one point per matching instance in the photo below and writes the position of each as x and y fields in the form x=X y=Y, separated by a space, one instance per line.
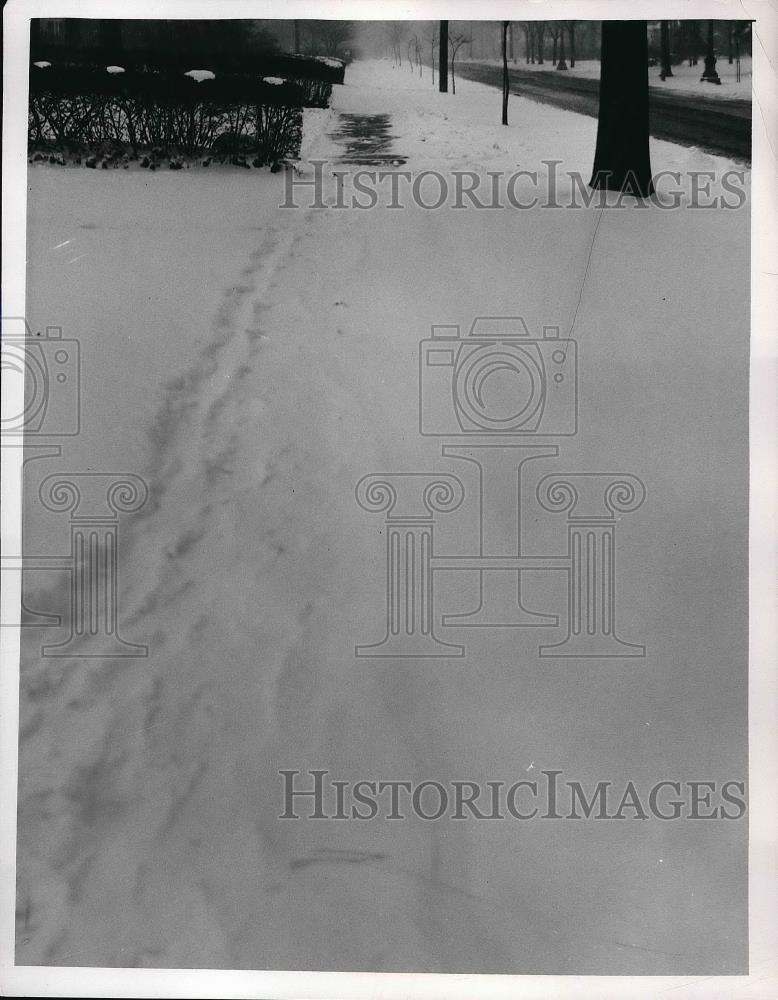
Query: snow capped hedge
x=236 y=112
x=200 y=74
x=94 y=113
x=323 y=69
x=330 y=61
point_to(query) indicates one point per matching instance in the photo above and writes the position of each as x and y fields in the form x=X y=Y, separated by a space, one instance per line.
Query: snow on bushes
x=200 y=74
x=330 y=61
x=85 y=112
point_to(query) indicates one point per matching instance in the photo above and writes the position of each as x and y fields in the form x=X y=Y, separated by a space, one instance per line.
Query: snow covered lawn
x=254 y=363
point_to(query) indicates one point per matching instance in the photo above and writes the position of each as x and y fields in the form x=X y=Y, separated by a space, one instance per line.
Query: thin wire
x=586 y=271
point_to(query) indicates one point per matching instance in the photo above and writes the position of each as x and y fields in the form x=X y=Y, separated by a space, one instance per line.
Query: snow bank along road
x=253 y=364
x=720 y=127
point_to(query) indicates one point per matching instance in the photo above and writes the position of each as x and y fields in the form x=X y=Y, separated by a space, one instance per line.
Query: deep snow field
x=252 y=364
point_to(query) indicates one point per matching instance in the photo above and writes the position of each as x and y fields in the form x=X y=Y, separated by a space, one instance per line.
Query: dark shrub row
x=79 y=109
x=175 y=119
x=294 y=67
x=162 y=87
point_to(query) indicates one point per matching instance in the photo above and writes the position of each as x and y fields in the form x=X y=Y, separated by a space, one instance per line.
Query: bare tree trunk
x=512 y=49
x=562 y=64
x=443 y=58
x=667 y=69
x=571 y=30
x=540 y=32
x=622 y=161
x=505 y=78
x=709 y=74
x=297 y=36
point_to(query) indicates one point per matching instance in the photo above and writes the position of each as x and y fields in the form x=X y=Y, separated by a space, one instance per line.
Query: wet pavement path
x=367 y=140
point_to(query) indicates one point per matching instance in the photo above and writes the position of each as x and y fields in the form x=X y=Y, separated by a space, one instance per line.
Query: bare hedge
x=80 y=108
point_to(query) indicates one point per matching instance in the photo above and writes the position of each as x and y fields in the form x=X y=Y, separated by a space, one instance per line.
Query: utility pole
x=443 y=58
x=505 y=79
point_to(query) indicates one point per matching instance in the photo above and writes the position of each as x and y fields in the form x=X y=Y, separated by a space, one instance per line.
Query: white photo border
x=762 y=980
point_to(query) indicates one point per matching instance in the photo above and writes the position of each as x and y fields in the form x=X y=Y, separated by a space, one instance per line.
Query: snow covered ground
x=685 y=78
x=253 y=363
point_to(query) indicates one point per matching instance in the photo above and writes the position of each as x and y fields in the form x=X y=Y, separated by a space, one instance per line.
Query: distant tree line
x=74 y=34
x=240 y=37
x=559 y=42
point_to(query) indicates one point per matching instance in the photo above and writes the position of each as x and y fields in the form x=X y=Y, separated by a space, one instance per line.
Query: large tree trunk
x=667 y=69
x=572 y=46
x=505 y=78
x=443 y=58
x=709 y=74
x=622 y=161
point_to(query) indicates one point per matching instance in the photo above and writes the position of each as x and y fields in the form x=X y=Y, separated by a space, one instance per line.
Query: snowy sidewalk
x=254 y=573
